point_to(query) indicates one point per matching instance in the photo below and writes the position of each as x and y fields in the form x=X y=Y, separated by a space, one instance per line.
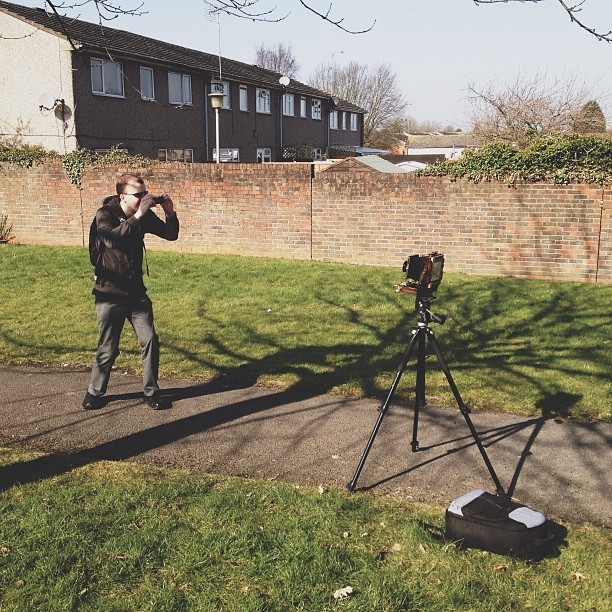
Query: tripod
x=419 y=333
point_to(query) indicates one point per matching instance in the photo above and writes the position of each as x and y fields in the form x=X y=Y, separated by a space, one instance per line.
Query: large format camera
x=422 y=274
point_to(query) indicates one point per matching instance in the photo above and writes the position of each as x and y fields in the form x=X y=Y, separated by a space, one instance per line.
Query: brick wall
x=537 y=230
x=278 y=210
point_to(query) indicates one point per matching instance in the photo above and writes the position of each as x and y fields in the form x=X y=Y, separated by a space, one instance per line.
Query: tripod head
x=423 y=307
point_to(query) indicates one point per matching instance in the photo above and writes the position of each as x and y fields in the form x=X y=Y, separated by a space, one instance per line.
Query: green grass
x=123 y=536
x=526 y=346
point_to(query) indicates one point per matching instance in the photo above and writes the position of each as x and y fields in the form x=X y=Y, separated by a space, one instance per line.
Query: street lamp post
x=216 y=101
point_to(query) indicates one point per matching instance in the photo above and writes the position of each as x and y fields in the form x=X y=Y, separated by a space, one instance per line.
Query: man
x=119 y=290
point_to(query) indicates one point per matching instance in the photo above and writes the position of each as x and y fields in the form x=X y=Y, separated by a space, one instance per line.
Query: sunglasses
x=138 y=194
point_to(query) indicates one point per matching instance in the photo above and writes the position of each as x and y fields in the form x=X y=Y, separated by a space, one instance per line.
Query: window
x=303 y=107
x=354 y=122
x=288 y=105
x=103 y=151
x=227 y=155
x=244 y=98
x=106 y=78
x=179 y=86
x=147 y=85
x=344 y=120
x=222 y=87
x=264 y=155
x=180 y=155
x=317 y=154
x=316 y=109
x=263 y=100
x=333 y=120
x=226 y=95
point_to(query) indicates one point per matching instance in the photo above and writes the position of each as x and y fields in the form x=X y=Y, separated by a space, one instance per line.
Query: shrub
x=5 y=230
x=25 y=155
x=559 y=158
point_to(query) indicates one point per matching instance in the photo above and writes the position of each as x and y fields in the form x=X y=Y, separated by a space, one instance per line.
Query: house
x=432 y=147
x=68 y=83
x=365 y=163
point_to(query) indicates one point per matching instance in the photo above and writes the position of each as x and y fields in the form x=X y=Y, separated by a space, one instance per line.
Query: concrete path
x=559 y=467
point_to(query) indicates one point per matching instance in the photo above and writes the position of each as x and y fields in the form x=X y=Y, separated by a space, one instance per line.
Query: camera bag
x=481 y=520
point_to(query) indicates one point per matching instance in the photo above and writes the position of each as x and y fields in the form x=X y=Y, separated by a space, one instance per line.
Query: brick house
x=68 y=83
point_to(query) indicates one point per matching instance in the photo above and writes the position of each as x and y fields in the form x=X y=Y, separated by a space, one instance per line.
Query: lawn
x=123 y=536
x=530 y=347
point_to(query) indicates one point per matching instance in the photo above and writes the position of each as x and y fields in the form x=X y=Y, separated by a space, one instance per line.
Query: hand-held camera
x=423 y=274
x=159 y=199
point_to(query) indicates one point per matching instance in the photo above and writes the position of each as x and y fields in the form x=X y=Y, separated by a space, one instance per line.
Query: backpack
x=96 y=246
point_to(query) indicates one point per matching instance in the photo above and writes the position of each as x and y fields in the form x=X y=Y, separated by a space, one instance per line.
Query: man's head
x=130 y=189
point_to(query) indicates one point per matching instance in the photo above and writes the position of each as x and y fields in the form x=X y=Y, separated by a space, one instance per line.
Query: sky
x=436 y=48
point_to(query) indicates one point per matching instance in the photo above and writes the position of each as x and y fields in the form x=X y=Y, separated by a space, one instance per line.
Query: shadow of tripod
x=419 y=333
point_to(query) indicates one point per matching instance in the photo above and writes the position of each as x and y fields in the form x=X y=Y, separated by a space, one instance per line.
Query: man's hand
x=145 y=204
x=168 y=205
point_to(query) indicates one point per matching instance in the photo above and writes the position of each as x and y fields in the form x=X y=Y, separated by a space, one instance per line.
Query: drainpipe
x=206 y=134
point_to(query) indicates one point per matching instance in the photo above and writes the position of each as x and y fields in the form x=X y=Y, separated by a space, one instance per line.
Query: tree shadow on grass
x=555 y=406
x=304 y=364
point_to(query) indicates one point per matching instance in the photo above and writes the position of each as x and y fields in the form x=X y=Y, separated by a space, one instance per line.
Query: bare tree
x=279 y=58
x=516 y=111
x=375 y=89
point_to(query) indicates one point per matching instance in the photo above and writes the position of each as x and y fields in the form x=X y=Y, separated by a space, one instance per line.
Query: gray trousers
x=111 y=318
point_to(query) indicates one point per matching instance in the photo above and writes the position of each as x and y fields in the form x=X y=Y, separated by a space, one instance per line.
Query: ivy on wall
x=25 y=156
x=78 y=161
x=559 y=158
x=74 y=163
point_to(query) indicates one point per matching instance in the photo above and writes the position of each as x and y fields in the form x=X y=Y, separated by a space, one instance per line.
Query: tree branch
x=106 y=9
x=243 y=9
x=338 y=23
x=571 y=9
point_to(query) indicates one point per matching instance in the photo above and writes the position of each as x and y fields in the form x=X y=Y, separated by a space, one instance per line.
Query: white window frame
x=264 y=155
x=244 y=98
x=103 y=151
x=316 y=109
x=344 y=114
x=143 y=95
x=227 y=155
x=288 y=105
x=317 y=153
x=353 y=122
x=303 y=107
x=100 y=65
x=226 y=95
x=263 y=100
x=181 y=155
x=186 y=91
x=333 y=120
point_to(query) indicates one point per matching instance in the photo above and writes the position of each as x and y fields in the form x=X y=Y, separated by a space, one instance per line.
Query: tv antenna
x=211 y=13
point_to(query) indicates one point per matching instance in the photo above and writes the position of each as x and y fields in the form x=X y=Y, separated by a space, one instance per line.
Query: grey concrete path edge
x=559 y=467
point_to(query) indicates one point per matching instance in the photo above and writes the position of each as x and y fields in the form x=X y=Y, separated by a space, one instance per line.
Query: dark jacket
x=119 y=272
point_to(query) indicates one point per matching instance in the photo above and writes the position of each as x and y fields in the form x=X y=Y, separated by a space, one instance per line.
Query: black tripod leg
x=416 y=334
x=420 y=391
x=464 y=411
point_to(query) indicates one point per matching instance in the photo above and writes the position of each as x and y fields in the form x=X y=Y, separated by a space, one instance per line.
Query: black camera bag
x=481 y=520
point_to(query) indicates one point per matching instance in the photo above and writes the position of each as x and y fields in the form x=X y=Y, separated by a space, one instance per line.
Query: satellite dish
x=284 y=81
x=62 y=111
x=46 y=101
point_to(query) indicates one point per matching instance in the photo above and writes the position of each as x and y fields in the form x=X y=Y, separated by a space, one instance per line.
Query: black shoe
x=157 y=402
x=92 y=402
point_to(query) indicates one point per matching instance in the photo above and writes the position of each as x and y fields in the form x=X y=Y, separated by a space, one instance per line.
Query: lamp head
x=216 y=99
